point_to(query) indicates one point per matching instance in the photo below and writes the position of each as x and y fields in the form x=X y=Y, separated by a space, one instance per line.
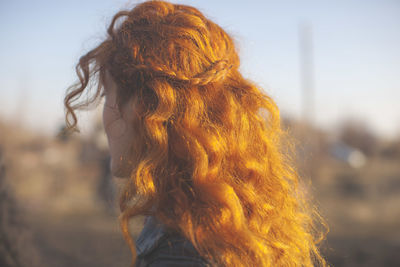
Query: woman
x=201 y=146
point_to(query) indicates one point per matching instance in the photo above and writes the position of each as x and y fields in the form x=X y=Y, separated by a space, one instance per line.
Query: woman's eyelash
x=103 y=94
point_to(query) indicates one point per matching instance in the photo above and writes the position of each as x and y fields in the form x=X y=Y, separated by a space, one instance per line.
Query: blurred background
x=333 y=67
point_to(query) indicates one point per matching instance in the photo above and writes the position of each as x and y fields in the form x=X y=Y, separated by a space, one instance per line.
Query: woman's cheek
x=115 y=129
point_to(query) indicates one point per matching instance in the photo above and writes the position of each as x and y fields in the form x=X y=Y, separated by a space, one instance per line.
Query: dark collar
x=152 y=234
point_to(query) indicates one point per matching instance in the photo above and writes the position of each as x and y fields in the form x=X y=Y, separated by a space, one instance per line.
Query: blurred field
x=58 y=203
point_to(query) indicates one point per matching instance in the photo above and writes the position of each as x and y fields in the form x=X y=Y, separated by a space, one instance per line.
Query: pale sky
x=356 y=54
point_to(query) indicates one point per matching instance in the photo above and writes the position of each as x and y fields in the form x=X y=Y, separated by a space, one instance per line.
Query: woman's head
x=201 y=145
x=156 y=55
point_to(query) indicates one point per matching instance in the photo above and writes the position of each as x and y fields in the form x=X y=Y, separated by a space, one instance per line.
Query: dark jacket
x=156 y=246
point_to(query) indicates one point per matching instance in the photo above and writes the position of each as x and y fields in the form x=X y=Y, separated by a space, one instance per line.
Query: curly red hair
x=213 y=162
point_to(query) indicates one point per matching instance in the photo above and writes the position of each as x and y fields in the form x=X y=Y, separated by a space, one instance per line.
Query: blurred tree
x=357 y=134
x=15 y=245
x=390 y=149
x=8 y=251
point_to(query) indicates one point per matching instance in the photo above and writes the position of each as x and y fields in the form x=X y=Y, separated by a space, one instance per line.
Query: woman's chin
x=118 y=170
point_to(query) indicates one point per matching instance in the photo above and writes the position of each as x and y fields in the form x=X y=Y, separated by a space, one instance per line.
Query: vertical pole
x=310 y=135
x=306 y=72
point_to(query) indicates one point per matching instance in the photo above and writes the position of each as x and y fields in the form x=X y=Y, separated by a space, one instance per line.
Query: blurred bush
x=16 y=245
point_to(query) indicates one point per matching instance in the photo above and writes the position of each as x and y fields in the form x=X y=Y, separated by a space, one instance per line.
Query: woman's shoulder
x=156 y=247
